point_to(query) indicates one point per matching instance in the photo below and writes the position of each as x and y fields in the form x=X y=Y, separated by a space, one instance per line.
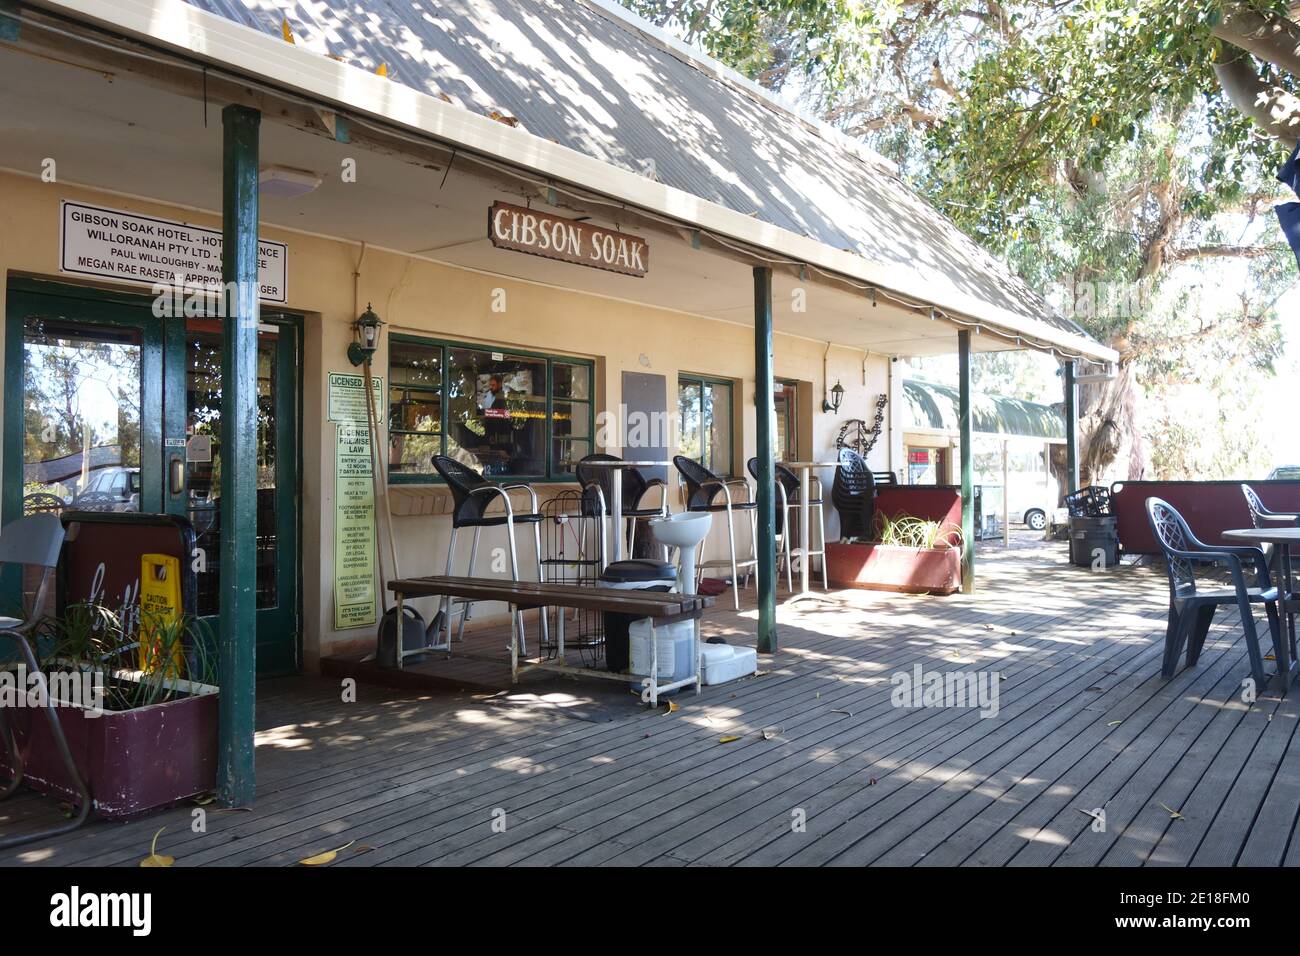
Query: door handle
x=176 y=475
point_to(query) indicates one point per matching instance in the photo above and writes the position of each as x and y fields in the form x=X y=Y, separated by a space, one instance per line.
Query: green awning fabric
x=935 y=406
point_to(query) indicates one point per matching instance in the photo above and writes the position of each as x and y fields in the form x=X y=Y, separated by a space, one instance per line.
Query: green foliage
x=90 y=637
x=907 y=531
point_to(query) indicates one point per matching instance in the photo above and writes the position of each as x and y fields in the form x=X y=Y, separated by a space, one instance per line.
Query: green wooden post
x=238 y=596
x=1071 y=428
x=965 y=427
x=765 y=416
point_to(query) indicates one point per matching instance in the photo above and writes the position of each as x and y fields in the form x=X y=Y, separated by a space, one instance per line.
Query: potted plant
x=138 y=705
x=915 y=555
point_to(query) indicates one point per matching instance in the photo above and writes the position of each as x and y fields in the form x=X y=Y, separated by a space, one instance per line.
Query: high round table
x=804 y=468
x=1283 y=539
x=616 y=469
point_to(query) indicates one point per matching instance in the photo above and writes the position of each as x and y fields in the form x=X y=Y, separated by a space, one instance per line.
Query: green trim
x=765 y=419
x=11 y=24
x=965 y=419
x=551 y=359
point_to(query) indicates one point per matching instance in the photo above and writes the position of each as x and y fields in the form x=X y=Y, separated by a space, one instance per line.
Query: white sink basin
x=684 y=532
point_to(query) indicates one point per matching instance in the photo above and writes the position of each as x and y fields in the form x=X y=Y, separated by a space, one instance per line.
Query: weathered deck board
x=586 y=775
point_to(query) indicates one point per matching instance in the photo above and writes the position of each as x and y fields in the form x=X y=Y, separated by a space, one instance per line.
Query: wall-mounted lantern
x=367 y=328
x=837 y=396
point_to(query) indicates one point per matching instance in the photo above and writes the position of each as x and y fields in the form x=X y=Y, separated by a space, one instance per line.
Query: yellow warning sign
x=161 y=635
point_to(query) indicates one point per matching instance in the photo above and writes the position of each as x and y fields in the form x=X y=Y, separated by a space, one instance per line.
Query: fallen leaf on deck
x=1173 y=814
x=203 y=799
x=1115 y=723
x=320 y=859
x=673 y=708
x=155 y=858
x=729 y=739
x=770 y=732
x=846 y=713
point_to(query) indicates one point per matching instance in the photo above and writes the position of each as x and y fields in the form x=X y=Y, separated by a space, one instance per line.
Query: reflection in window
x=81 y=417
x=502 y=413
x=704 y=422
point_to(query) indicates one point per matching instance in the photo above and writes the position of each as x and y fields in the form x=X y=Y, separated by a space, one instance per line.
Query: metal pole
x=238 y=598
x=1006 y=499
x=1071 y=429
x=964 y=429
x=765 y=415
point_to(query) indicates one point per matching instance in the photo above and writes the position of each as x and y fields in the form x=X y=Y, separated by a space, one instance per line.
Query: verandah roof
x=590 y=76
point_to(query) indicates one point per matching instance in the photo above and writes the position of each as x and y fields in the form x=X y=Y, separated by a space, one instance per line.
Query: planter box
x=884 y=568
x=132 y=760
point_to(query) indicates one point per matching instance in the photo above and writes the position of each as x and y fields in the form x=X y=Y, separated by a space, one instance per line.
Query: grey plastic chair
x=1192 y=606
x=35 y=541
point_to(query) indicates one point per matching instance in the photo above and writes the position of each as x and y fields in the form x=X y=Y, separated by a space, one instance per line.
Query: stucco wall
x=418 y=296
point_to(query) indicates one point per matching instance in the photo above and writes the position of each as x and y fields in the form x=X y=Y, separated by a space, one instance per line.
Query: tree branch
x=1268 y=36
x=1275 y=110
x=1188 y=253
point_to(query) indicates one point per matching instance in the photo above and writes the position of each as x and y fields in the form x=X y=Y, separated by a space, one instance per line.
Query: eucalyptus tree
x=1119 y=152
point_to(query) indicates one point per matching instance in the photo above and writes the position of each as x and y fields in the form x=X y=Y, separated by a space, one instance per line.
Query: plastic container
x=676 y=650
x=637 y=575
x=722 y=663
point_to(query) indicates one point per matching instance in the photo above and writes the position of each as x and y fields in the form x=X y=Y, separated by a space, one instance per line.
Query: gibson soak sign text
x=541 y=234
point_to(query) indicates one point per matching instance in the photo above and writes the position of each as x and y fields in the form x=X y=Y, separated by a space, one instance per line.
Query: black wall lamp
x=367 y=328
x=837 y=396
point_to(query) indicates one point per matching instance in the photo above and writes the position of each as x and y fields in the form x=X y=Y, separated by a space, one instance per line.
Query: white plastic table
x=616 y=488
x=804 y=468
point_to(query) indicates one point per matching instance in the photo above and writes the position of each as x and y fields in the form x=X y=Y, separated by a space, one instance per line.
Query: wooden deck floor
x=581 y=774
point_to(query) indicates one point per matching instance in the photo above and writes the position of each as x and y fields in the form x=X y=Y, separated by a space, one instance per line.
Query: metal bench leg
x=466 y=609
x=65 y=753
x=541 y=579
x=514 y=574
x=446 y=600
x=821 y=538
x=735 y=572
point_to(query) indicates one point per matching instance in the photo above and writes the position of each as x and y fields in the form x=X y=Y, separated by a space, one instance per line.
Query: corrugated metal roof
x=591 y=79
x=930 y=405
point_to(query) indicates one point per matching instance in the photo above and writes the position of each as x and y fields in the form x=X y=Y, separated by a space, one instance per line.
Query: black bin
x=1092 y=538
x=635 y=575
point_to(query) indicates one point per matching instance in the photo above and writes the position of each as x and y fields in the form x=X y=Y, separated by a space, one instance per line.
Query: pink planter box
x=882 y=568
x=132 y=760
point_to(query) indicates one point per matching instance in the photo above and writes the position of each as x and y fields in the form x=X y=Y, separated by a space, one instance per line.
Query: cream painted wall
x=417 y=296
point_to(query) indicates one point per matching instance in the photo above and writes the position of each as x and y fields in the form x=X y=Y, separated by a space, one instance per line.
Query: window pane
x=688 y=429
x=414 y=407
x=717 y=428
x=571 y=435
x=497 y=411
x=572 y=381
x=81 y=416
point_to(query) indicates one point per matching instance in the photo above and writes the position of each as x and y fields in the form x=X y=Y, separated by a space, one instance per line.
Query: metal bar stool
x=702 y=487
x=787 y=496
x=597 y=492
x=472 y=494
x=35 y=541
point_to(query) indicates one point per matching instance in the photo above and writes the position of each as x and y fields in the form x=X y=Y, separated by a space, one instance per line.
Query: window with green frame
x=704 y=429
x=506 y=413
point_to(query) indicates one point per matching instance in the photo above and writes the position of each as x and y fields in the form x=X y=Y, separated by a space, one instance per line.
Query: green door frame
x=162 y=415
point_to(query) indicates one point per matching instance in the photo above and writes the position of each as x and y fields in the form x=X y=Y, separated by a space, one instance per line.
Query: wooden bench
x=660 y=607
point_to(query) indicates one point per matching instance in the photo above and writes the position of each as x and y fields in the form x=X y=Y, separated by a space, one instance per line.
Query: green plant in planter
x=908 y=531
x=178 y=653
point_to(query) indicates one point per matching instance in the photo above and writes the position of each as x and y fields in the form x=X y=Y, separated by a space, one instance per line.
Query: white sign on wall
x=126 y=246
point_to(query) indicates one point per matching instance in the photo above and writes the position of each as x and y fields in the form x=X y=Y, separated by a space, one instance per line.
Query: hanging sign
x=354 y=528
x=553 y=237
x=126 y=246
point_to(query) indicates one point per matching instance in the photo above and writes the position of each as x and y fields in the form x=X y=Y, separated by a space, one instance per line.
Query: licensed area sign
x=568 y=240
x=126 y=246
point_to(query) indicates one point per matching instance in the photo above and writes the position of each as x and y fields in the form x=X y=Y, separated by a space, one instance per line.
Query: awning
x=934 y=407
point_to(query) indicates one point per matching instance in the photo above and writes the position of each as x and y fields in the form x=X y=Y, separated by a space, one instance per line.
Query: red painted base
x=133 y=760
x=883 y=568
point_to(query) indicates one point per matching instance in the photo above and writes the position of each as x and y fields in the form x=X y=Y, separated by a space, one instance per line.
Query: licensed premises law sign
x=126 y=246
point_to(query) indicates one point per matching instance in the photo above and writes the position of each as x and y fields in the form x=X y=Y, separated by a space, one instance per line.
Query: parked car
x=1285 y=473
x=110 y=489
